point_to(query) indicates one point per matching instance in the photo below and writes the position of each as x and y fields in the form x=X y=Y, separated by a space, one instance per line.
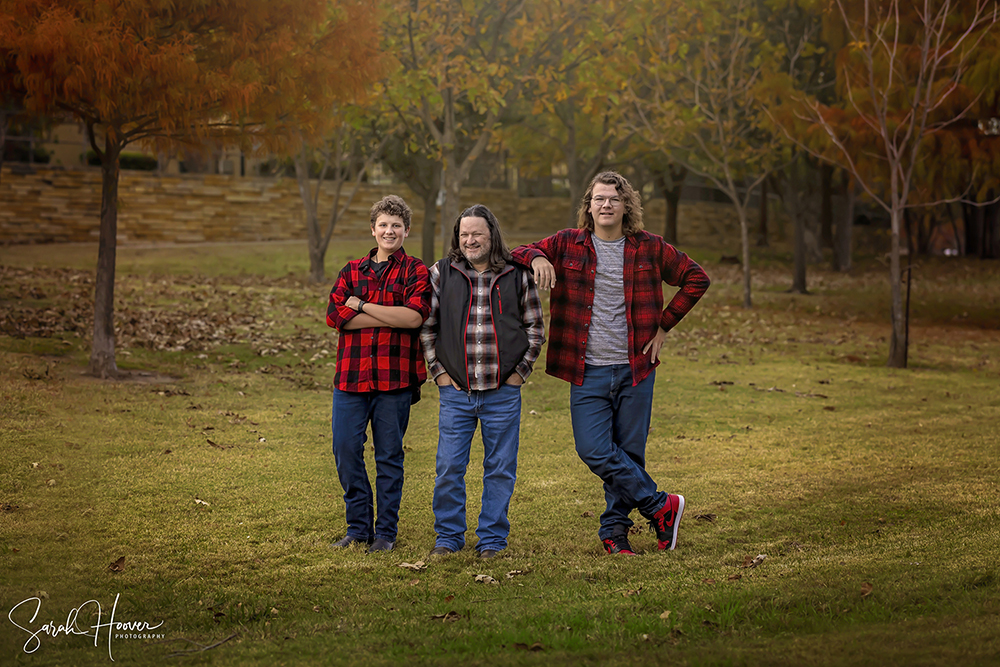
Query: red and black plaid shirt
x=380 y=358
x=649 y=262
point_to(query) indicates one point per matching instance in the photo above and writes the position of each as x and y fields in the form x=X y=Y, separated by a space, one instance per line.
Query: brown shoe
x=488 y=553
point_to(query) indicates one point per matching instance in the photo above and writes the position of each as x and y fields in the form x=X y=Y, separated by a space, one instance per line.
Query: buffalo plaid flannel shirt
x=649 y=262
x=380 y=358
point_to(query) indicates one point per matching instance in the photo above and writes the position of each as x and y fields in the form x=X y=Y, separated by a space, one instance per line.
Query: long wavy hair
x=631 y=219
x=499 y=252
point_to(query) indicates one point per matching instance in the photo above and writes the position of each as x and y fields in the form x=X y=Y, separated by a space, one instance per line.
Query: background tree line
x=883 y=102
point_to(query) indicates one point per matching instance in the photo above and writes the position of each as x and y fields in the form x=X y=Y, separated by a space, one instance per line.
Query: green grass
x=872 y=492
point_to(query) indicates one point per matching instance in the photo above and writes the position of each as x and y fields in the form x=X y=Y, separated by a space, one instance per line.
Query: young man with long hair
x=607 y=328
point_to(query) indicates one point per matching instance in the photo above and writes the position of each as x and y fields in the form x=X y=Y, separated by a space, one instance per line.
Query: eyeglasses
x=601 y=200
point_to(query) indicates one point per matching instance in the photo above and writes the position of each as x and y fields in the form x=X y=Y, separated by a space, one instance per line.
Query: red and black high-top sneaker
x=666 y=521
x=618 y=544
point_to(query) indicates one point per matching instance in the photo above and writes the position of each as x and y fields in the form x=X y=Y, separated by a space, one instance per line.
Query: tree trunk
x=745 y=240
x=974 y=219
x=317 y=249
x=762 y=240
x=897 y=344
x=826 y=204
x=799 y=285
x=959 y=241
x=102 y=352
x=4 y=122
x=451 y=206
x=991 y=231
x=671 y=184
x=427 y=235
x=845 y=227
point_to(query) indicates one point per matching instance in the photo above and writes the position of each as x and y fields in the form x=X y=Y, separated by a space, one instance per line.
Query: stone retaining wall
x=45 y=205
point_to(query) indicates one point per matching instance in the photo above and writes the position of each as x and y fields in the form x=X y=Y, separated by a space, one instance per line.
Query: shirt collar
x=370 y=259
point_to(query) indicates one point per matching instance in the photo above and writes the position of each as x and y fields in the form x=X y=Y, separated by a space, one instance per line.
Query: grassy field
x=871 y=493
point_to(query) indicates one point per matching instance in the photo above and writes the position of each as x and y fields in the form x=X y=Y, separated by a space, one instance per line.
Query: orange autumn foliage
x=152 y=69
x=264 y=72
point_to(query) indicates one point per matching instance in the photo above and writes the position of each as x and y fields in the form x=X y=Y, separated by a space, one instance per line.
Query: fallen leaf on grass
x=665 y=615
x=866 y=589
x=118 y=565
x=514 y=573
x=199 y=501
x=416 y=567
x=587 y=514
x=735 y=577
x=752 y=562
x=447 y=617
x=486 y=579
x=709 y=517
x=630 y=593
x=51 y=482
x=414 y=582
x=537 y=646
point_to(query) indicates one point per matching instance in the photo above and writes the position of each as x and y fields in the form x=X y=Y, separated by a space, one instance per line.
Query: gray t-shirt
x=607 y=343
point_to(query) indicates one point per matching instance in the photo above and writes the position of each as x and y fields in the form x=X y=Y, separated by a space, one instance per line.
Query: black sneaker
x=618 y=544
x=667 y=521
x=380 y=545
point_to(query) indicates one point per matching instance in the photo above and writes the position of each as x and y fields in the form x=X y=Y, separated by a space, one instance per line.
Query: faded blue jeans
x=389 y=414
x=610 y=426
x=498 y=411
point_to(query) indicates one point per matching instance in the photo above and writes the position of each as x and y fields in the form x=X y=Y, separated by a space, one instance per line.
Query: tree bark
x=974 y=222
x=317 y=250
x=897 y=344
x=991 y=231
x=671 y=184
x=799 y=285
x=826 y=204
x=845 y=227
x=430 y=225
x=745 y=240
x=102 y=352
x=762 y=240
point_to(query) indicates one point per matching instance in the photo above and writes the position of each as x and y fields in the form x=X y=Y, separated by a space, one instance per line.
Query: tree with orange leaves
x=260 y=72
x=903 y=80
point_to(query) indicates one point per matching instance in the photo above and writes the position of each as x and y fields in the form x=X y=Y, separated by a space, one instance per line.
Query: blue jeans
x=610 y=425
x=389 y=415
x=499 y=413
